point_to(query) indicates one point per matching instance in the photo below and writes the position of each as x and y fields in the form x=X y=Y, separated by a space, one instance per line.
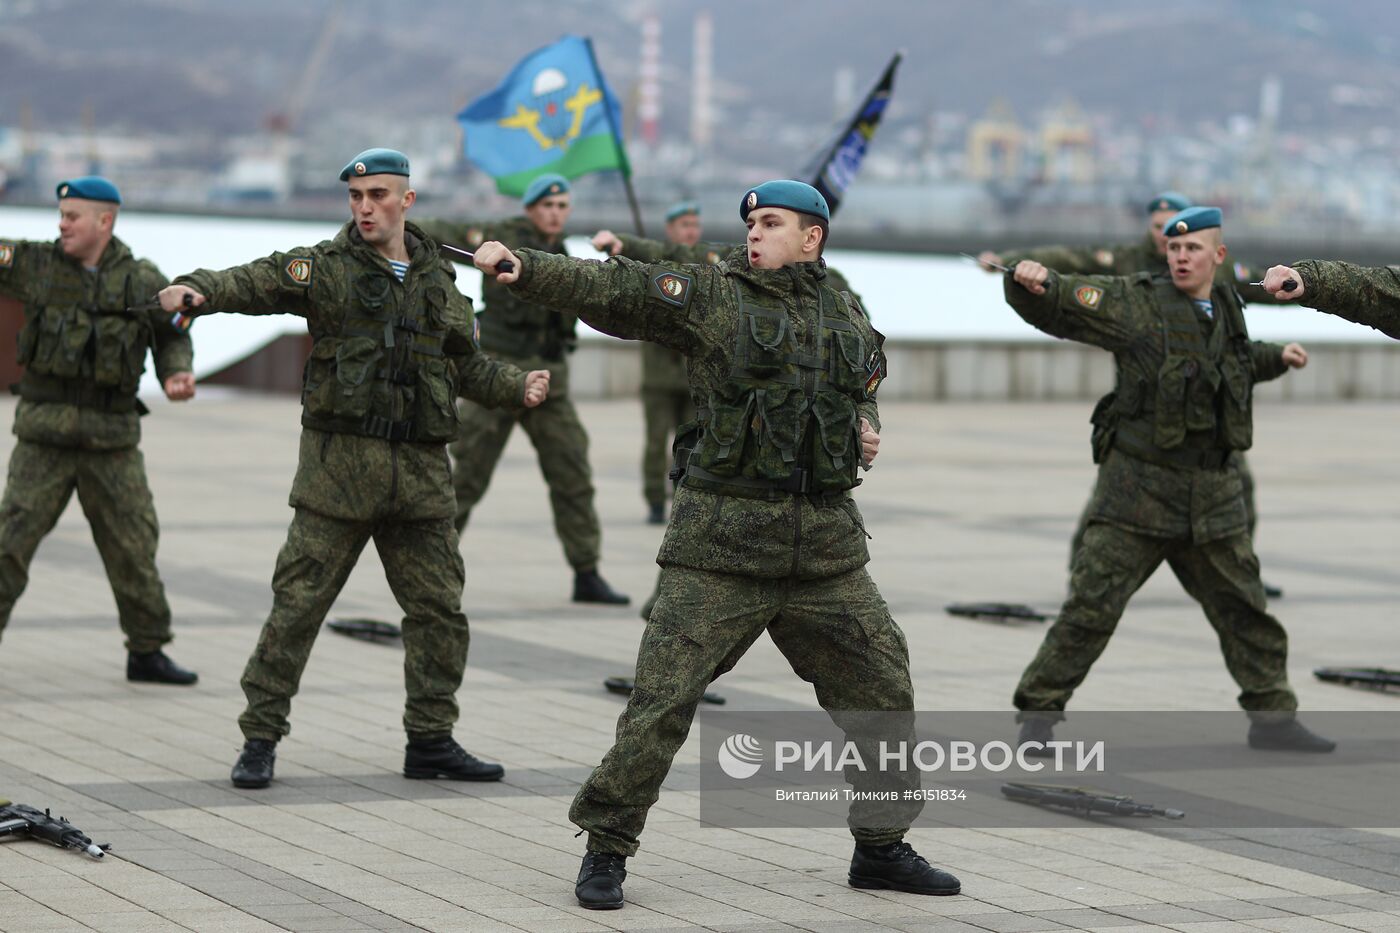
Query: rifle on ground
x=20 y=820
x=1085 y=801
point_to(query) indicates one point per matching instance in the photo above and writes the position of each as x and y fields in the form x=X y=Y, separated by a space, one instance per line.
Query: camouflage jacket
x=344 y=475
x=1129 y=258
x=59 y=295
x=1366 y=295
x=524 y=333
x=1125 y=315
x=797 y=536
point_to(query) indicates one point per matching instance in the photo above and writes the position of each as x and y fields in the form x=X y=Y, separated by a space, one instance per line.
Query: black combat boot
x=600 y=880
x=444 y=758
x=656 y=514
x=254 y=765
x=897 y=867
x=591 y=588
x=1037 y=729
x=154 y=667
x=1288 y=735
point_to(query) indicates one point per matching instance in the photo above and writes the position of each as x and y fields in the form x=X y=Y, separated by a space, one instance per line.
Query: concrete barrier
x=1033 y=371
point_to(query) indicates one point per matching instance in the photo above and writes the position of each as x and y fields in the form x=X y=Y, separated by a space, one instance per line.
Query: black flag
x=838 y=169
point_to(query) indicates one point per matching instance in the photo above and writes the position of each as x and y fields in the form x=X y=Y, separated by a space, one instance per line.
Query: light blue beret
x=681 y=209
x=793 y=195
x=376 y=162
x=1193 y=219
x=91 y=188
x=543 y=187
x=1169 y=201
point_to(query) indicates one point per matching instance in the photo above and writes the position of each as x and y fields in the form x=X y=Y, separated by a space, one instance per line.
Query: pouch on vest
x=318 y=385
x=435 y=411
x=770 y=341
x=1105 y=424
x=116 y=362
x=1236 y=404
x=1169 y=424
x=778 y=412
x=1202 y=387
x=836 y=455
x=63 y=341
x=355 y=362
x=721 y=448
x=847 y=371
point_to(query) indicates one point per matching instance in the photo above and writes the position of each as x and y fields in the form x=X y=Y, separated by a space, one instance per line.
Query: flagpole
x=617 y=137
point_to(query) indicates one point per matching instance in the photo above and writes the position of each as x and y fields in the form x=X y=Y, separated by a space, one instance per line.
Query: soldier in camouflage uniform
x=1369 y=296
x=532 y=337
x=83 y=348
x=764 y=534
x=1147 y=255
x=1167 y=486
x=392 y=348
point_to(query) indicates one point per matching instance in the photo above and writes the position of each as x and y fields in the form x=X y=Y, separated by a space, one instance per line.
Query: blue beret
x=681 y=209
x=1168 y=201
x=91 y=188
x=1193 y=219
x=793 y=195
x=543 y=187
x=376 y=162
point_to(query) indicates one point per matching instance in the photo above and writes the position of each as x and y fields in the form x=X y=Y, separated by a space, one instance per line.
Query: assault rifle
x=1086 y=801
x=17 y=819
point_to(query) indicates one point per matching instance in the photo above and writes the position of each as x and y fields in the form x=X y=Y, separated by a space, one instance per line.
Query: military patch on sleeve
x=1242 y=272
x=7 y=255
x=671 y=287
x=297 y=271
x=1088 y=295
x=1104 y=258
x=876 y=368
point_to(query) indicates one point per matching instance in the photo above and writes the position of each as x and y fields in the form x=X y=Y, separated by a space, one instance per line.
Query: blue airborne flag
x=552 y=113
x=843 y=160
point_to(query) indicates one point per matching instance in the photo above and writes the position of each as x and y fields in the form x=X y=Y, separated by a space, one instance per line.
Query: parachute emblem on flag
x=549 y=124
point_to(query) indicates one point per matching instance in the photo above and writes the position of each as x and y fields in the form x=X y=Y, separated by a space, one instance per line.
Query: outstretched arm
x=1366 y=295
x=1091 y=309
x=619 y=297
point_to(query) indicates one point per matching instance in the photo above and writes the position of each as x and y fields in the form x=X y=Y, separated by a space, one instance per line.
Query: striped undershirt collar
x=400 y=268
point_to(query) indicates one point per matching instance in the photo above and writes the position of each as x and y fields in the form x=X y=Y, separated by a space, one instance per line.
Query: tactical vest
x=80 y=346
x=785 y=421
x=1195 y=408
x=383 y=374
x=513 y=327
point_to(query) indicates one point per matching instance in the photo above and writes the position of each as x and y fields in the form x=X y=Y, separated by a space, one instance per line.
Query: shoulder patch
x=711 y=257
x=1104 y=257
x=7 y=255
x=1088 y=295
x=1242 y=272
x=297 y=271
x=671 y=287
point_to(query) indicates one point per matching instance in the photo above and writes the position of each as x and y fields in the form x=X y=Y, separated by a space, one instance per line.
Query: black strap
x=1196 y=458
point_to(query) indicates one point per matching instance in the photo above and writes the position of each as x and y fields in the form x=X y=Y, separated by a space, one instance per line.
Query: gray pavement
x=969 y=501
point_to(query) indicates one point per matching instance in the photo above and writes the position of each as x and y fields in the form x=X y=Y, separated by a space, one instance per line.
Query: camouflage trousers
x=562 y=446
x=836 y=633
x=1112 y=564
x=112 y=488
x=425 y=572
x=1251 y=512
x=663 y=410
